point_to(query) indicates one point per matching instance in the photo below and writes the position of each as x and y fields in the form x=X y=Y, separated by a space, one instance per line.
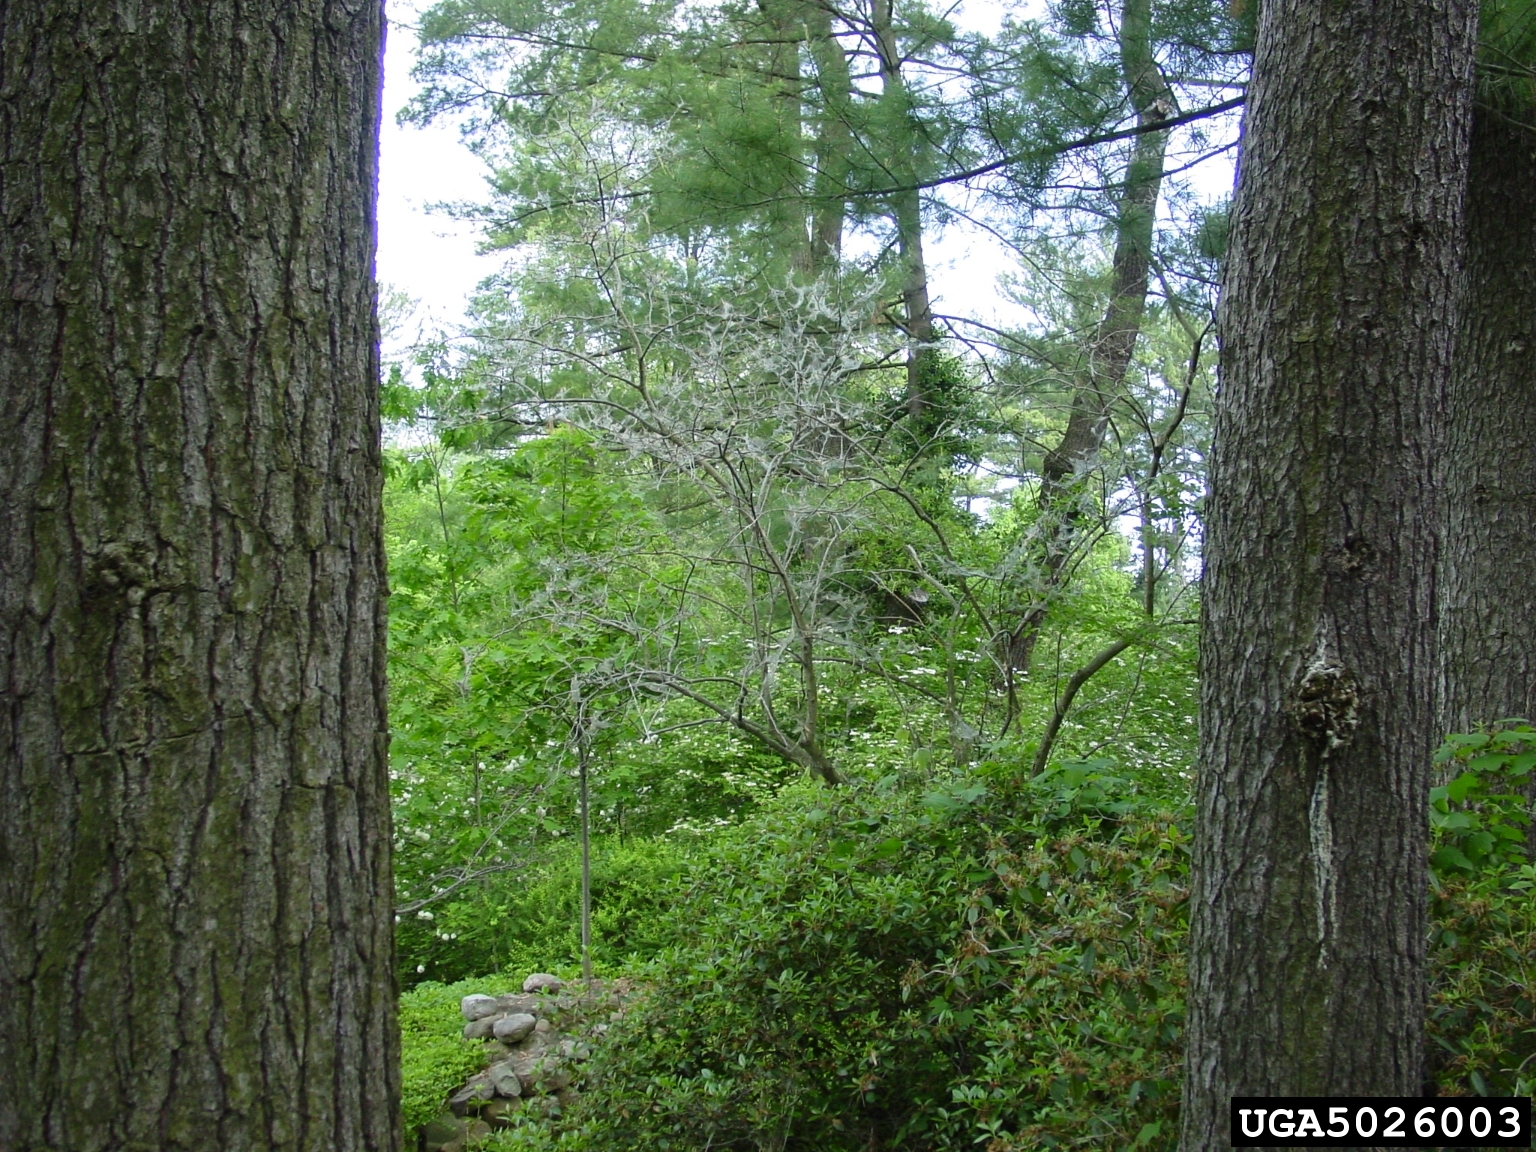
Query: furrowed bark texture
x=1488 y=607
x=195 y=892
x=1317 y=682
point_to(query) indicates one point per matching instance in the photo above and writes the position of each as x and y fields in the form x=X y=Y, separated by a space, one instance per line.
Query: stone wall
x=535 y=1043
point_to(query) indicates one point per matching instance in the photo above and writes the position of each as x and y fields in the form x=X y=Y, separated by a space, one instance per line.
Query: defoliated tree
x=195 y=894
x=1307 y=935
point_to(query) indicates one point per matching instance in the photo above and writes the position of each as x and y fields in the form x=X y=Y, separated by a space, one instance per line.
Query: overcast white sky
x=432 y=257
x=427 y=255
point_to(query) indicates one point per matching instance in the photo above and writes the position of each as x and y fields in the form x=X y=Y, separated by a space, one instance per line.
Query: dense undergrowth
x=690 y=513
x=435 y=1057
x=531 y=921
x=995 y=963
x=914 y=971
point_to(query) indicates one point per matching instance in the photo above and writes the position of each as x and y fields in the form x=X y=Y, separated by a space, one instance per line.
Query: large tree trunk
x=1065 y=499
x=1488 y=599
x=195 y=895
x=1307 y=932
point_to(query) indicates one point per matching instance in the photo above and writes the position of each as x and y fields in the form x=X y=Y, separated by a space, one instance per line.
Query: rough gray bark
x=1307 y=909
x=1488 y=599
x=195 y=894
x=1110 y=346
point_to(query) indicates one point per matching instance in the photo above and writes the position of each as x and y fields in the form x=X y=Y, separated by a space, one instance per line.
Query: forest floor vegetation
x=995 y=962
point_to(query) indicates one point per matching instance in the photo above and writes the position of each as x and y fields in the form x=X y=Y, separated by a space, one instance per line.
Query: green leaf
x=1488 y=762
x=1451 y=859
x=1461 y=787
x=1468 y=740
x=1479 y=844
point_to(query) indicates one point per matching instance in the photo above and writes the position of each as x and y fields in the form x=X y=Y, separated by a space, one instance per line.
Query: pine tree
x=1307 y=933
x=195 y=895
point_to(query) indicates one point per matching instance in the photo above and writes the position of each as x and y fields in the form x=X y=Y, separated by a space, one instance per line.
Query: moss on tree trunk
x=195 y=896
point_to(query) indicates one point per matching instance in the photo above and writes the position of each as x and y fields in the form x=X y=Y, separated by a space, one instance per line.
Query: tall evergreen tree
x=1307 y=934
x=1099 y=385
x=195 y=894
x=1488 y=605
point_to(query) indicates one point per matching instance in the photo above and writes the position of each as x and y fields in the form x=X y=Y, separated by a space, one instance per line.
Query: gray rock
x=551 y=1076
x=543 y=1026
x=504 y=1079
x=540 y=1074
x=526 y=1065
x=519 y=1002
x=481 y=1029
x=444 y=1130
x=498 y=1113
x=468 y=1098
x=511 y=1029
x=543 y=982
x=534 y=1044
x=477 y=1007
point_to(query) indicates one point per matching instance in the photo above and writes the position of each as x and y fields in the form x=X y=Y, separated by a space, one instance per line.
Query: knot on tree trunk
x=1325 y=705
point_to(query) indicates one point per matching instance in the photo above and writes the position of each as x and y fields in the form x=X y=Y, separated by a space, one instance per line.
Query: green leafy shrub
x=530 y=920
x=1478 y=819
x=1080 y=1042
x=887 y=970
x=1482 y=1013
x=994 y=964
x=434 y=1056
